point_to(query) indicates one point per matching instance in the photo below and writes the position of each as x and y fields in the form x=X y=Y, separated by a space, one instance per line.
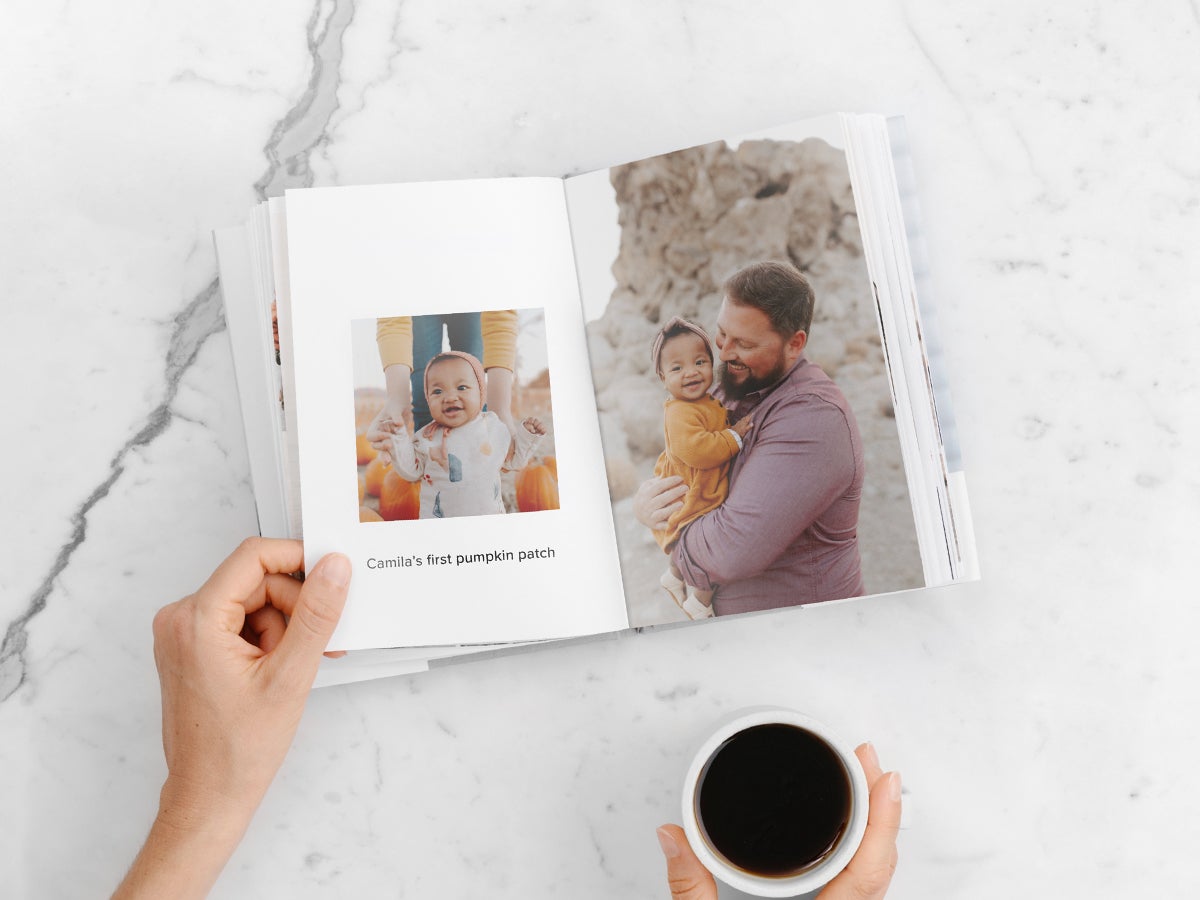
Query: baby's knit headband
x=476 y=367
x=676 y=323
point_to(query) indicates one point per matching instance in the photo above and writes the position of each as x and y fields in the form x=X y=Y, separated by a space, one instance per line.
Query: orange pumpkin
x=362 y=489
x=366 y=514
x=373 y=477
x=552 y=464
x=366 y=452
x=537 y=488
x=399 y=499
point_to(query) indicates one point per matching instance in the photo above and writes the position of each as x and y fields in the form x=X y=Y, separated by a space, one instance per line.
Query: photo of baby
x=774 y=475
x=700 y=443
x=459 y=456
x=438 y=431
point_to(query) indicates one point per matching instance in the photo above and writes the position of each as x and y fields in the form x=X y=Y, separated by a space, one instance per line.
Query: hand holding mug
x=853 y=857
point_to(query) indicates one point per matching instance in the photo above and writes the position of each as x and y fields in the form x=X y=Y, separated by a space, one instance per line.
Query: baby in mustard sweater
x=700 y=444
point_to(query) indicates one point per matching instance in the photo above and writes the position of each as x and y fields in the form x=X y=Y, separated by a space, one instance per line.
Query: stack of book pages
x=469 y=386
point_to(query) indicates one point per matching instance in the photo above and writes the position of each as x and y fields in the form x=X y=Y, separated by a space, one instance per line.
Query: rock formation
x=690 y=219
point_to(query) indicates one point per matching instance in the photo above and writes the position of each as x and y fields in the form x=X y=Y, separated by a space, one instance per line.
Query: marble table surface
x=1043 y=717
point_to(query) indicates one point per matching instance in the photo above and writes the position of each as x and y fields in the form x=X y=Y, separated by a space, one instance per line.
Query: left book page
x=256 y=367
x=472 y=548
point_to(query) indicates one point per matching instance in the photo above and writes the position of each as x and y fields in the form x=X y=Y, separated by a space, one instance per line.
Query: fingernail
x=670 y=849
x=335 y=569
x=872 y=756
x=894 y=787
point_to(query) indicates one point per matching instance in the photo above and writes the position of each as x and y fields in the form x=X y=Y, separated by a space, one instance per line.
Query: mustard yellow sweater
x=499 y=327
x=699 y=448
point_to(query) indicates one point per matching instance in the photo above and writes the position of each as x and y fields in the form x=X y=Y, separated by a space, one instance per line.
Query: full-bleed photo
x=744 y=401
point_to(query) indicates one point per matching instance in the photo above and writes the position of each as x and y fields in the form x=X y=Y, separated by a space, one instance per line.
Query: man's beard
x=733 y=391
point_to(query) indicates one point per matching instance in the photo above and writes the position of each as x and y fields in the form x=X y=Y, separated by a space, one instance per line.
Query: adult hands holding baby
x=656 y=499
x=397 y=409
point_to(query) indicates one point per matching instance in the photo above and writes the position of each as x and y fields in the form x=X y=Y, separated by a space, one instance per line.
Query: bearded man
x=788 y=532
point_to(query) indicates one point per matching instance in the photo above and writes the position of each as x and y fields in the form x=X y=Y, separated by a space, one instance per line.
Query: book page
x=272 y=232
x=816 y=505
x=487 y=524
x=939 y=494
x=251 y=344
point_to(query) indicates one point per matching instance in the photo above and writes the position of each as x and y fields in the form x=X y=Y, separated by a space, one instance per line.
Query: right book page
x=833 y=496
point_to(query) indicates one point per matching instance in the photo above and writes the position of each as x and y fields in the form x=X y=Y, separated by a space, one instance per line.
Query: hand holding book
x=820 y=196
x=235 y=676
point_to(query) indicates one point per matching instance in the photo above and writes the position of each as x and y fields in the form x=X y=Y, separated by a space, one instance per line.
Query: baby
x=700 y=444
x=458 y=457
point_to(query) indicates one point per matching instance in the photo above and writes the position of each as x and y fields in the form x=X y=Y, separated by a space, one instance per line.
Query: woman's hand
x=379 y=434
x=865 y=878
x=396 y=412
x=236 y=661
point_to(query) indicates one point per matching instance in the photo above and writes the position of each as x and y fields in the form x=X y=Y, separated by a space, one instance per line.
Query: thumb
x=316 y=614
x=870 y=871
x=686 y=875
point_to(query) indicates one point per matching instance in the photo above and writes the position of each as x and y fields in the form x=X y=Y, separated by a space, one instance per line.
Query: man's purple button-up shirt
x=788 y=532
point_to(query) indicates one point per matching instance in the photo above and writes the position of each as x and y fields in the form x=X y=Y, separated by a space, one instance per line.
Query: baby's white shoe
x=685 y=597
x=675 y=587
x=695 y=608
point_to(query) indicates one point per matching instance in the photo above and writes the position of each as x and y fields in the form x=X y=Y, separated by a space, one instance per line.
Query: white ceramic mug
x=810 y=878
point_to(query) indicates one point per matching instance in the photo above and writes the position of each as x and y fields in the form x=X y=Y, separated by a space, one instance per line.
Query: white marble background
x=1044 y=719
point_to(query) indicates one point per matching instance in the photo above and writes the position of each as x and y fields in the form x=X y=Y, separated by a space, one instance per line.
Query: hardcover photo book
x=701 y=384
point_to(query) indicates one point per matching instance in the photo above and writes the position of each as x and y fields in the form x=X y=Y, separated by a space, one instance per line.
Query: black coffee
x=773 y=800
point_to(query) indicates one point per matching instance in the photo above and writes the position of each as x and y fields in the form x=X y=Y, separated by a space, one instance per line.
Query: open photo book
x=536 y=409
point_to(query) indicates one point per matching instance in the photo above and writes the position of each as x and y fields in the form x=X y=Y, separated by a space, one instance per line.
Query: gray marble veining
x=1039 y=716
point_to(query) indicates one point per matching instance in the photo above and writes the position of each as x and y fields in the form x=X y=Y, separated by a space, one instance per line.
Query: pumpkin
x=366 y=514
x=373 y=477
x=552 y=464
x=362 y=489
x=366 y=452
x=537 y=488
x=399 y=499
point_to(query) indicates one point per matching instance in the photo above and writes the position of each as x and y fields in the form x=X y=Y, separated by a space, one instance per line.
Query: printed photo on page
x=445 y=416
x=453 y=416
x=737 y=355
